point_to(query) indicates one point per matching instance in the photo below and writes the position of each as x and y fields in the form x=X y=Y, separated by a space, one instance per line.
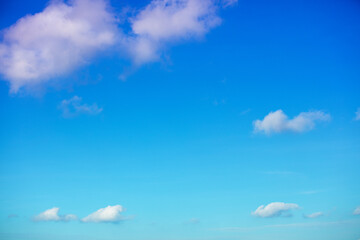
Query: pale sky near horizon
x=180 y=120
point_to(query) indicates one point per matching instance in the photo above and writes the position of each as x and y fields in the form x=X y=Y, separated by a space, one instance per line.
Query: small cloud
x=74 y=107
x=310 y=192
x=279 y=173
x=52 y=215
x=275 y=209
x=357 y=211
x=278 y=121
x=169 y=21
x=193 y=221
x=219 y=102
x=245 y=112
x=357 y=114
x=109 y=214
x=229 y=3
x=13 y=216
x=314 y=215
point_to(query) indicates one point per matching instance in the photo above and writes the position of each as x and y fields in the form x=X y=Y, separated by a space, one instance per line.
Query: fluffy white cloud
x=314 y=215
x=278 y=121
x=107 y=214
x=74 y=106
x=274 y=209
x=55 y=41
x=67 y=35
x=164 y=21
x=357 y=114
x=357 y=211
x=52 y=215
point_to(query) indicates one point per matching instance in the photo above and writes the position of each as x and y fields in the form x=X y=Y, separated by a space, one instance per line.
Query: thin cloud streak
x=286 y=225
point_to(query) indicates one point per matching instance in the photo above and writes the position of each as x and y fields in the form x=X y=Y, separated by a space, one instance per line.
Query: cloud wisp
x=357 y=115
x=278 y=122
x=52 y=215
x=56 y=41
x=73 y=107
x=109 y=214
x=67 y=35
x=275 y=209
x=357 y=211
x=313 y=215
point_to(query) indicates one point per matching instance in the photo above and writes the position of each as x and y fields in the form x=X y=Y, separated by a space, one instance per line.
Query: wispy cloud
x=357 y=114
x=74 y=107
x=313 y=215
x=278 y=121
x=192 y=221
x=357 y=211
x=52 y=215
x=109 y=214
x=310 y=192
x=279 y=173
x=228 y=3
x=286 y=225
x=274 y=209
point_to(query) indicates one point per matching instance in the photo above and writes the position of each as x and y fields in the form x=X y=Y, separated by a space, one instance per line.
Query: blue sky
x=180 y=120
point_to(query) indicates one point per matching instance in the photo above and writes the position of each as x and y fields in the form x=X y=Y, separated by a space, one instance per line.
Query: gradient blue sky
x=175 y=143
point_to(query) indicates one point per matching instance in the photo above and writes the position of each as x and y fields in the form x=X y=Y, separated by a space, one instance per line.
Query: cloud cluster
x=53 y=215
x=314 y=215
x=278 y=121
x=66 y=36
x=55 y=41
x=274 y=209
x=107 y=214
x=74 y=107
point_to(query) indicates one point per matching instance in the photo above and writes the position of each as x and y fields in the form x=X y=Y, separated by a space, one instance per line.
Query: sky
x=180 y=120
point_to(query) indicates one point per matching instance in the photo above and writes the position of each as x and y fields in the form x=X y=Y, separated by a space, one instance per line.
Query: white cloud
x=357 y=211
x=107 y=214
x=52 y=215
x=74 y=107
x=192 y=221
x=314 y=215
x=168 y=21
x=278 y=121
x=67 y=35
x=357 y=114
x=228 y=3
x=274 y=209
x=55 y=41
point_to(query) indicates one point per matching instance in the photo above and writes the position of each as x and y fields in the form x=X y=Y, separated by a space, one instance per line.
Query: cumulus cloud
x=52 y=215
x=357 y=211
x=74 y=107
x=274 y=209
x=107 y=214
x=55 y=41
x=357 y=114
x=314 y=215
x=67 y=35
x=278 y=121
x=168 y=21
